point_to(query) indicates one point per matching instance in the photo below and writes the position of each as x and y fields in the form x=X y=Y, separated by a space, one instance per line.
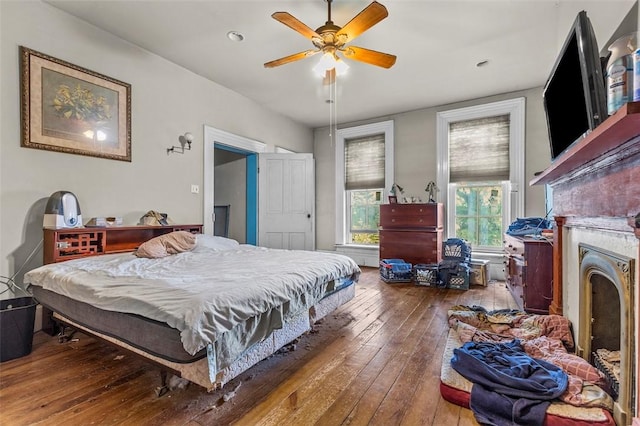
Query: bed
x=547 y=336
x=206 y=312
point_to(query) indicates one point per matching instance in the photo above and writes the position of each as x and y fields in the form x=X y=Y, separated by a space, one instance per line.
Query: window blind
x=479 y=149
x=364 y=162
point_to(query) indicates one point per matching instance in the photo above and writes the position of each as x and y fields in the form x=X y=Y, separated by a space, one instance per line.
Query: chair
x=221 y=222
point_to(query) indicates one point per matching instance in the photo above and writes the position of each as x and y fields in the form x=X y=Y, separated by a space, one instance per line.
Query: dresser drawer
x=513 y=246
x=515 y=284
x=412 y=232
x=411 y=215
x=411 y=246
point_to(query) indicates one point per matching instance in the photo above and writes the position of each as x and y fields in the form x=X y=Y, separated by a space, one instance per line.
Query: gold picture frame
x=67 y=108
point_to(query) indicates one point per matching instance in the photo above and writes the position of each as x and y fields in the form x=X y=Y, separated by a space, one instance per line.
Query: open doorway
x=287 y=205
x=237 y=152
x=235 y=193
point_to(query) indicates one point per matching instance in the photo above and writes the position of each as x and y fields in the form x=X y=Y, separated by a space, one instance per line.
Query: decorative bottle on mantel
x=636 y=73
x=620 y=72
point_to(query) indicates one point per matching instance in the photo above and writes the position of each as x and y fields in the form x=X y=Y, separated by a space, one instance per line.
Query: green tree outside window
x=365 y=216
x=479 y=214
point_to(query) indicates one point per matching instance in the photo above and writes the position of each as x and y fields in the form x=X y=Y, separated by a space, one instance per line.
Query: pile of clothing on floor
x=519 y=363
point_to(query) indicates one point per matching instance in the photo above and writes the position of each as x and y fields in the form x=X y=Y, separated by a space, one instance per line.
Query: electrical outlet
x=195 y=189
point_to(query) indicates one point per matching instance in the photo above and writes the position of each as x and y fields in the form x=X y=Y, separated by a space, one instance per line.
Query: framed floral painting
x=67 y=108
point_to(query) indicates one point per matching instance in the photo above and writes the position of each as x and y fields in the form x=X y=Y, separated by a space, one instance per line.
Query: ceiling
x=438 y=45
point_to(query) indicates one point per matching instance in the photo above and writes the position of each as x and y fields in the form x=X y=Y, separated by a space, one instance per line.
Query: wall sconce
x=185 y=144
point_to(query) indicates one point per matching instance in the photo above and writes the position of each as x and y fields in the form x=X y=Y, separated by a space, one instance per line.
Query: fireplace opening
x=605 y=311
x=606 y=332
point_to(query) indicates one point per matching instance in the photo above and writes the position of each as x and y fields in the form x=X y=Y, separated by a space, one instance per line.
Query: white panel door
x=286 y=201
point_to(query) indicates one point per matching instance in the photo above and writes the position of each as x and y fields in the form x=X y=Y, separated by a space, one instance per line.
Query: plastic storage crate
x=456 y=249
x=395 y=270
x=426 y=274
x=456 y=279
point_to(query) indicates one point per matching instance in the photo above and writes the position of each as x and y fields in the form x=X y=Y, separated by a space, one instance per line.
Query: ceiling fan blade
x=295 y=24
x=372 y=57
x=291 y=58
x=367 y=18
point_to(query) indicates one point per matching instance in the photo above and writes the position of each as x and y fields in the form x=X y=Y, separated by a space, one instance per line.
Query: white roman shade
x=364 y=162
x=479 y=150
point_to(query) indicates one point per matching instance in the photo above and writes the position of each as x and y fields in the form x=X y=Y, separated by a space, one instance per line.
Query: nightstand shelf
x=61 y=244
x=72 y=243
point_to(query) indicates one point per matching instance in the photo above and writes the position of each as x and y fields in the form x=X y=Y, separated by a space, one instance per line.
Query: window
x=364 y=216
x=364 y=168
x=364 y=183
x=479 y=214
x=481 y=165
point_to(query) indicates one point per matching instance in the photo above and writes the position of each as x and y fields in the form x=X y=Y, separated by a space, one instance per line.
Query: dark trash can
x=16 y=327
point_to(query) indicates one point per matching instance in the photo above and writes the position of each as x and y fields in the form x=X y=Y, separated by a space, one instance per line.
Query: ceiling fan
x=329 y=39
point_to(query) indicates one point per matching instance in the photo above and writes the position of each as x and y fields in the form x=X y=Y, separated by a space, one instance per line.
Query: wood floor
x=376 y=360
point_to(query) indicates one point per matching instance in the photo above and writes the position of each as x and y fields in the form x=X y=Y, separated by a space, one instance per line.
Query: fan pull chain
x=332 y=112
x=330 y=102
x=335 y=106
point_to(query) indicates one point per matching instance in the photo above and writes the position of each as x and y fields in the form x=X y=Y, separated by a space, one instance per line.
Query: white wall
x=415 y=157
x=167 y=101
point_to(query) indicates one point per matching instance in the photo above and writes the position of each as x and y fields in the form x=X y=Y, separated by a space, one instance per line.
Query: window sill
x=487 y=253
x=357 y=246
x=363 y=255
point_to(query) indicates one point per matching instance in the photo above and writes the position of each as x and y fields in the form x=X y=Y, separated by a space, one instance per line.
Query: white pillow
x=212 y=242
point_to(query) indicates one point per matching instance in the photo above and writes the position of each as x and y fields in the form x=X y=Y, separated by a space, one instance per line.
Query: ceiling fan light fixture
x=329 y=61
x=341 y=67
x=325 y=63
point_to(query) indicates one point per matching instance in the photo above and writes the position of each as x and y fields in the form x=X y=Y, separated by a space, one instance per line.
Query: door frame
x=213 y=137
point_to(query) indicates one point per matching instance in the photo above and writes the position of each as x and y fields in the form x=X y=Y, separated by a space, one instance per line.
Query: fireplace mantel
x=621 y=127
x=599 y=176
x=596 y=183
x=596 y=187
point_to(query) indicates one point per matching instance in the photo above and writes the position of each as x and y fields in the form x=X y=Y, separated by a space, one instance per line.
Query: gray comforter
x=204 y=292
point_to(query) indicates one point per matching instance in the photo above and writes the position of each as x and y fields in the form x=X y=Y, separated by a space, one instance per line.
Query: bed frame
x=66 y=244
x=198 y=370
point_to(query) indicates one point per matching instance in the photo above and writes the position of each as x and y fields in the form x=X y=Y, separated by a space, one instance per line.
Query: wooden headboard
x=73 y=243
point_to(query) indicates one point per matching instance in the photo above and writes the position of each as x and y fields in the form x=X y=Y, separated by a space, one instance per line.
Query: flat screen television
x=574 y=96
